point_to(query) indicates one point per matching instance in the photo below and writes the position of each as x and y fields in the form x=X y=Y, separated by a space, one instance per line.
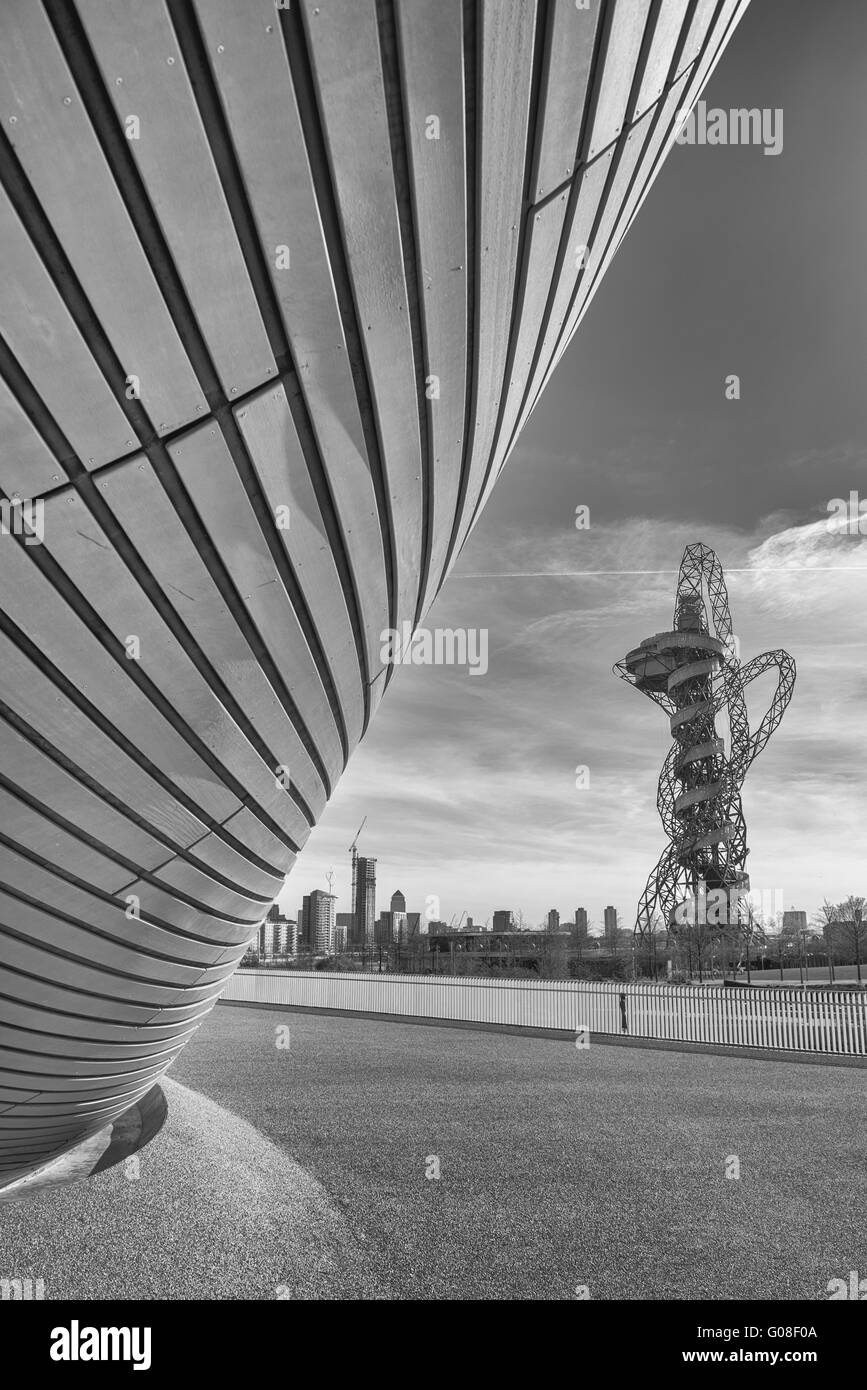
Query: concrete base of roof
x=110 y=1145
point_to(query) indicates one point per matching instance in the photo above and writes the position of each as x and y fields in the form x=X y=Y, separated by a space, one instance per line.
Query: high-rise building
x=321 y=922
x=398 y=902
x=391 y=928
x=364 y=901
x=504 y=920
x=304 y=923
x=269 y=941
x=291 y=937
x=342 y=932
x=794 y=921
x=553 y=920
x=581 y=929
x=278 y=935
x=611 y=924
x=416 y=925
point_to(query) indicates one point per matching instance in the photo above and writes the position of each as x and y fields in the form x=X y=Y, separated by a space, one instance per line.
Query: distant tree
x=554 y=953
x=345 y=964
x=850 y=920
x=823 y=922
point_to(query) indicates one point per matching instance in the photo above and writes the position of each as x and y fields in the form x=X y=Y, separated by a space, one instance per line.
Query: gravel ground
x=217 y=1211
x=558 y=1168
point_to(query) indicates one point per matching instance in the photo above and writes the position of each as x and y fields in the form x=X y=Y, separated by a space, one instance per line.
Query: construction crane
x=354 y=852
x=460 y=919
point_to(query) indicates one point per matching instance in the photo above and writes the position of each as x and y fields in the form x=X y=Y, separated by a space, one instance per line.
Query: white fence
x=795 y=1020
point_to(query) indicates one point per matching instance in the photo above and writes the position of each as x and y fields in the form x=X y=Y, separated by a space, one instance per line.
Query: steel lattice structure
x=694 y=673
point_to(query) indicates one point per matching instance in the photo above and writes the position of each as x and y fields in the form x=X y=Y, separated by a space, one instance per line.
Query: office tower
x=581 y=929
x=304 y=923
x=321 y=922
x=504 y=920
x=342 y=932
x=469 y=924
x=391 y=928
x=416 y=925
x=553 y=920
x=398 y=902
x=364 y=901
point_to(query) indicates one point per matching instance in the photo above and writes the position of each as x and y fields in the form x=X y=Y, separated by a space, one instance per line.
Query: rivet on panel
x=221 y=48
x=67 y=101
x=170 y=61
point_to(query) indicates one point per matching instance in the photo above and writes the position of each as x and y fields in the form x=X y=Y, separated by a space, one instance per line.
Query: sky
x=739 y=262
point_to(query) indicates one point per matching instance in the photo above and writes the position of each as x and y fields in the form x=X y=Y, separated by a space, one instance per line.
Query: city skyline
x=469 y=791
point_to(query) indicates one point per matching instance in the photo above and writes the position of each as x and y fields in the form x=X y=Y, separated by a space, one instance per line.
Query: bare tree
x=850 y=920
x=823 y=921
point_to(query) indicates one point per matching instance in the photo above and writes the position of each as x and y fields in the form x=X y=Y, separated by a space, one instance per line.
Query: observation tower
x=694 y=673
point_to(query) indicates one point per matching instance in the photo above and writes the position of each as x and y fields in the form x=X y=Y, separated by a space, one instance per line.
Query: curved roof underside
x=309 y=266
